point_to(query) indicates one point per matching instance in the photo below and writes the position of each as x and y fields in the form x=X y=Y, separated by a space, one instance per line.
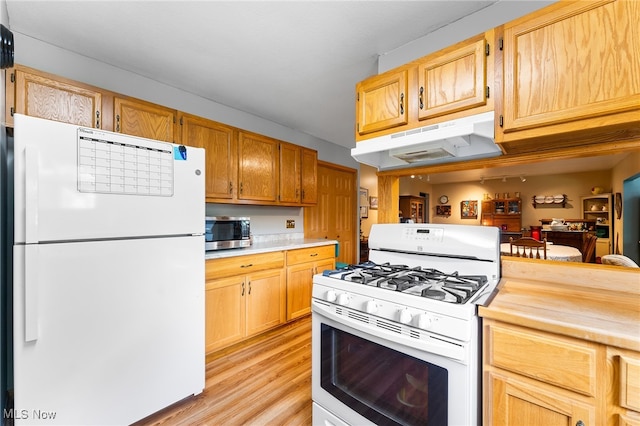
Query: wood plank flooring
x=265 y=381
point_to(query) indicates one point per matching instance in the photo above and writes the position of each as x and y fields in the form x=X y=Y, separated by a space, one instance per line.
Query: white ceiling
x=295 y=63
x=291 y=62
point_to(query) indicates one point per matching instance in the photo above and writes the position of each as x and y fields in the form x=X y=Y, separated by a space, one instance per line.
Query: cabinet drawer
x=564 y=362
x=310 y=254
x=630 y=383
x=241 y=265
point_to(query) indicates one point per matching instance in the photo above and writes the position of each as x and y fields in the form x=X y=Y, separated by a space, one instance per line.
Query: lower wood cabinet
x=533 y=377
x=245 y=295
x=623 y=387
x=302 y=265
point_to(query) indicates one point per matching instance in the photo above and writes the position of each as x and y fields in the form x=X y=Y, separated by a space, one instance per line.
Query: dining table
x=554 y=252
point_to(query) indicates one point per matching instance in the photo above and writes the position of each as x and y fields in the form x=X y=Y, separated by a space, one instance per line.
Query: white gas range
x=412 y=309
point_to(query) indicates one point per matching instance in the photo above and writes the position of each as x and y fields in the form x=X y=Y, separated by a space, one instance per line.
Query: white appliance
x=396 y=340
x=465 y=138
x=108 y=275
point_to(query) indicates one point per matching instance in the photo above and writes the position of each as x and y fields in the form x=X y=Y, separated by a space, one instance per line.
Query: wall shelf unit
x=549 y=200
x=599 y=208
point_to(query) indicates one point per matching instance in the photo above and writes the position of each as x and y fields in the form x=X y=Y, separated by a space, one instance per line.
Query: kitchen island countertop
x=269 y=246
x=597 y=303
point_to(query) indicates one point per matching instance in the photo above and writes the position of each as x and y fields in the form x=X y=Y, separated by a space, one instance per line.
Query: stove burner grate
x=425 y=282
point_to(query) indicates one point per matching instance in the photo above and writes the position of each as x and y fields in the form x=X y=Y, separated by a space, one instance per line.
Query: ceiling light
x=523 y=179
x=413 y=176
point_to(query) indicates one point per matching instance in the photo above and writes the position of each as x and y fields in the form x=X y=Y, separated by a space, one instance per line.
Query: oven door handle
x=436 y=345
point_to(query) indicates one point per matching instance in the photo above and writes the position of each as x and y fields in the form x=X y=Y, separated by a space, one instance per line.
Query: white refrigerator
x=108 y=274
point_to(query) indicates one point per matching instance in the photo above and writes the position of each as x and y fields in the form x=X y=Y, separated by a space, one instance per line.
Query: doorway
x=631 y=218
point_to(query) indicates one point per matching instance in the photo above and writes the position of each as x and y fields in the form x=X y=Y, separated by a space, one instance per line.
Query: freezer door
x=118 y=329
x=74 y=183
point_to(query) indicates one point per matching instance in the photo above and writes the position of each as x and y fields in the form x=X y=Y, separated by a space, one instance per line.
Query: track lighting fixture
x=503 y=178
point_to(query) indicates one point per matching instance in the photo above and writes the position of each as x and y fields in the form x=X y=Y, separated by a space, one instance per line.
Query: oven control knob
x=343 y=299
x=424 y=321
x=331 y=296
x=405 y=316
x=371 y=307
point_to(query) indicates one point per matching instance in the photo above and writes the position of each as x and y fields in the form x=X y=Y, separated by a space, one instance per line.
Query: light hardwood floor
x=265 y=381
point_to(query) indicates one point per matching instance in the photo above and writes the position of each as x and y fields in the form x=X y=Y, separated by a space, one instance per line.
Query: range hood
x=456 y=140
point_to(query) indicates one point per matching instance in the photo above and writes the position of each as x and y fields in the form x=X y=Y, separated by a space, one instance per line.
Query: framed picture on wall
x=373 y=203
x=364 y=203
x=469 y=209
x=443 y=210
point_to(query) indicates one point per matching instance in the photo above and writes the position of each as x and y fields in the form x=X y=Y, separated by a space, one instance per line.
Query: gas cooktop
x=418 y=281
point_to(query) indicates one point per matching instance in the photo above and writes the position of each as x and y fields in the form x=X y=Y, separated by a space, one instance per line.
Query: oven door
x=365 y=379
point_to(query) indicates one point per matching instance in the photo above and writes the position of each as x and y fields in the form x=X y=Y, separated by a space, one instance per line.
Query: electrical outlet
x=291 y=223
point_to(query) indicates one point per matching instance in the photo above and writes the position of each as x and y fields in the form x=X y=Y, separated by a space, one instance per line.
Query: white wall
x=265 y=219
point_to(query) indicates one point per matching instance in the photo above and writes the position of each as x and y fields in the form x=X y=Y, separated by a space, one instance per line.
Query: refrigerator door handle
x=32 y=181
x=31 y=293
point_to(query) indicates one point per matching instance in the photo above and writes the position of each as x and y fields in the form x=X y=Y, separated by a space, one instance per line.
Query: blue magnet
x=180 y=152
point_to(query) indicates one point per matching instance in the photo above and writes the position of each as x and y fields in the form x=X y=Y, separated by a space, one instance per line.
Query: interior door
x=335 y=217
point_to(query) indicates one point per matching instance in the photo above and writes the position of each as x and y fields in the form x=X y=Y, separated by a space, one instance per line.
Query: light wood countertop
x=598 y=303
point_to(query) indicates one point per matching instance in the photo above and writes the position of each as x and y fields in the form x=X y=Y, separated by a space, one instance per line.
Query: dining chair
x=589 y=248
x=528 y=247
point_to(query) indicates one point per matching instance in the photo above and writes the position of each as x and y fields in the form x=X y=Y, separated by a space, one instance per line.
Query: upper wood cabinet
x=139 y=118
x=39 y=94
x=241 y=167
x=221 y=154
x=571 y=69
x=444 y=85
x=453 y=80
x=309 y=177
x=298 y=175
x=258 y=171
x=381 y=102
x=290 y=168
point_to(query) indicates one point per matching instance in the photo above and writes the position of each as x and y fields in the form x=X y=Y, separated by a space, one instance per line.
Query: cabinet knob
x=580 y=423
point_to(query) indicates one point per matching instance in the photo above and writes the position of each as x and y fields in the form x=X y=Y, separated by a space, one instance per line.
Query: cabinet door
x=39 y=95
x=572 y=61
x=519 y=403
x=324 y=265
x=453 y=81
x=139 y=118
x=221 y=153
x=257 y=168
x=382 y=102
x=290 y=173
x=224 y=312
x=266 y=295
x=299 y=283
x=309 y=179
